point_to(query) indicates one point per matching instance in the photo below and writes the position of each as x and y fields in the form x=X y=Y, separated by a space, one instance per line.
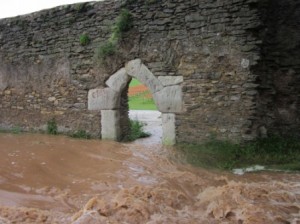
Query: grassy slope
x=140 y=102
x=273 y=152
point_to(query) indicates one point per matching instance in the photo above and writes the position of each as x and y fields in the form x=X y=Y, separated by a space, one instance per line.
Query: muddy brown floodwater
x=56 y=179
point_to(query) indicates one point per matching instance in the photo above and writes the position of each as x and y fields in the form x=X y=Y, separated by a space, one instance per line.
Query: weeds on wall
x=81 y=7
x=84 y=40
x=123 y=23
x=14 y=130
x=81 y=134
x=52 y=127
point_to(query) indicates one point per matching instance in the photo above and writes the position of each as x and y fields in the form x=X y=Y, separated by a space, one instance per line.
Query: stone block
x=139 y=71
x=169 y=99
x=170 y=80
x=118 y=81
x=168 y=126
x=245 y=63
x=133 y=67
x=103 y=99
x=110 y=124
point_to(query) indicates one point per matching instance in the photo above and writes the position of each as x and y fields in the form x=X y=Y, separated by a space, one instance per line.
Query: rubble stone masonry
x=239 y=60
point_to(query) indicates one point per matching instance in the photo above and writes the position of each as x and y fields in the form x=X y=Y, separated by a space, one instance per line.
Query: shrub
x=123 y=23
x=84 y=39
x=81 y=134
x=106 y=49
x=52 y=127
x=136 y=131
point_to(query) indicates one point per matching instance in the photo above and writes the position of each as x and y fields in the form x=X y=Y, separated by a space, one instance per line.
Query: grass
x=140 y=101
x=136 y=131
x=52 y=127
x=273 y=152
x=84 y=39
x=134 y=82
x=81 y=134
x=13 y=130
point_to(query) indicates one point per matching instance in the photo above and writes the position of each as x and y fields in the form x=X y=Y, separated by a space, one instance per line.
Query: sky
x=19 y=7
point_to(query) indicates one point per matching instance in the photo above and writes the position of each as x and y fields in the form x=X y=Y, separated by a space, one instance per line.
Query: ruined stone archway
x=166 y=92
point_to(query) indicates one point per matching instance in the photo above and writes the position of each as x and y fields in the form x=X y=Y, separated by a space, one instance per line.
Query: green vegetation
x=14 y=130
x=134 y=82
x=52 y=127
x=81 y=7
x=123 y=23
x=84 y=40
x=273 y=152
x=136 y=131
x=141 y=101
x=106 y=49
x=81 y=134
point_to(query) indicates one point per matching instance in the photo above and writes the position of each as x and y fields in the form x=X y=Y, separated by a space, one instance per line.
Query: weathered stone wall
x=278 y=70
x=45 y=72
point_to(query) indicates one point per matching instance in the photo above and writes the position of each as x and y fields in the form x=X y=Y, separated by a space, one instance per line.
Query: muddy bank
x=56 y=179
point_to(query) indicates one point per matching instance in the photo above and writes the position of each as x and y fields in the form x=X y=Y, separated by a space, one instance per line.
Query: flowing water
x=56 y=179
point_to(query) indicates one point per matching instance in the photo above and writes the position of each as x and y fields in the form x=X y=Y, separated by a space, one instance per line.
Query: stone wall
x=278 y=71
x=213 y=45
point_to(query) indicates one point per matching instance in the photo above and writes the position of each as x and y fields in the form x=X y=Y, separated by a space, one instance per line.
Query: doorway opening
x=143 y=110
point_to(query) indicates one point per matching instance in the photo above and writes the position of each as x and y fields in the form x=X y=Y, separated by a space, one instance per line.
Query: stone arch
x=166 y=91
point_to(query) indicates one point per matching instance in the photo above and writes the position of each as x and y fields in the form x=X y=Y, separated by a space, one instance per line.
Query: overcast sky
x=10 y=8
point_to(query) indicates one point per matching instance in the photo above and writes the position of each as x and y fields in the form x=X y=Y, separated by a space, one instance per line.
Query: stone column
x=110 y=125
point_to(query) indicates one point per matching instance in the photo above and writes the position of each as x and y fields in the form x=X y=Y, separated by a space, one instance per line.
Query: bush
x=52 y=127
x=81 y=134
x=136 y=131
x=123 y=23
x=107 y=49
x=84 y=39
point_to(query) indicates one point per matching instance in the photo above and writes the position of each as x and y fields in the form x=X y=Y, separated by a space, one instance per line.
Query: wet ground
x=56 y=179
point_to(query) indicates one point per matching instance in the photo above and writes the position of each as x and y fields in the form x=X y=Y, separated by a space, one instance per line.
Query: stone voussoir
x=118 y=81
x=138 y=70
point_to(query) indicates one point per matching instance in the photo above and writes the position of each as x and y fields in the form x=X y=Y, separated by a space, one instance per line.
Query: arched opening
x=113 y=100
x=142 y=109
